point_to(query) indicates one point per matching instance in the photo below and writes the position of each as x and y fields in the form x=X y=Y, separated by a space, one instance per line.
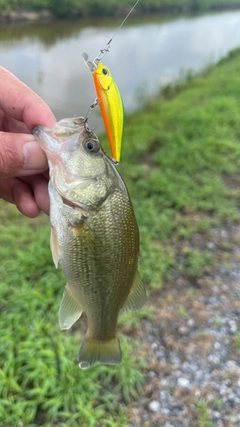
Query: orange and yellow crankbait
x=109 y=97
x=110 y=102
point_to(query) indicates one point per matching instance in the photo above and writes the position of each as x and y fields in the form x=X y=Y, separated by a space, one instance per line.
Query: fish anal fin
x=93 y=351
x=137 y=296
x=54 y=246
x=70 y=309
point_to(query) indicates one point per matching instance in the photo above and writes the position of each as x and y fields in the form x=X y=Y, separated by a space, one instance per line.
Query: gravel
x=194 y=358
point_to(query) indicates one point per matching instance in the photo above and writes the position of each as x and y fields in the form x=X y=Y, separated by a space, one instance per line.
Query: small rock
x=233 y=419
x=183 y=382
x=190 y=323
x=183 y=330
x=214 y=360
x=233 y=327
x=231 y=365
x=224 y=234
x=216 y=415
x=154 y=406
x=154 y=346
x=210 y=245
x=223 y=390
x=165 y=411
x=210 y=397
x=176 y=360
x=233 y=398
x=152 y=374
x=178 y=373
x=163 y=395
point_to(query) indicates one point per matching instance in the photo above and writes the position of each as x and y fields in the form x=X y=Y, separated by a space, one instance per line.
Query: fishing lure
x=110 y=103
x=108 y=96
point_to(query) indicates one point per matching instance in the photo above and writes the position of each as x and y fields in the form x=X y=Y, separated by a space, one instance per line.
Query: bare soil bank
x=25 y=16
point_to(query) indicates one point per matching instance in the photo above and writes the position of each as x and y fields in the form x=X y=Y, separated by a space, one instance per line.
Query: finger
x=8 y=124
x=39 y=185
x=24 y=199
x=6 y=189
x=15 y=191
x=21 y=103
x=20 y=155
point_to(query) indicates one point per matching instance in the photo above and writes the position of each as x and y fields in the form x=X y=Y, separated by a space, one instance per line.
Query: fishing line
x=107 y=46
x=93 y=64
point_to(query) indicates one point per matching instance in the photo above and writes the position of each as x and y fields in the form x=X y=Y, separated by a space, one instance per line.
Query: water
x=144 y=56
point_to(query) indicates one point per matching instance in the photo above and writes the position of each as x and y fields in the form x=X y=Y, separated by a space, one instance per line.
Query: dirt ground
x=193 y=344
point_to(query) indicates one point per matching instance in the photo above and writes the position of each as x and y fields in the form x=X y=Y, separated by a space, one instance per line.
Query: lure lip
x=91 y=64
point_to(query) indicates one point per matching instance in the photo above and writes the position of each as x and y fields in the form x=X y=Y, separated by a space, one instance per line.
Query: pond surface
x=145 y=55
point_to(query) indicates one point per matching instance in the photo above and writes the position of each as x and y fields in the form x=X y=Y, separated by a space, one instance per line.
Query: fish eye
x=92 y=146
x=105 y=71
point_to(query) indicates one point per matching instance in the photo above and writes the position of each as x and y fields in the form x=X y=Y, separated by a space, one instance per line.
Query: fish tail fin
x=93 y=351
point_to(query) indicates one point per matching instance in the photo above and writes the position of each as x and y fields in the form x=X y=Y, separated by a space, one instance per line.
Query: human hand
x=23 y=165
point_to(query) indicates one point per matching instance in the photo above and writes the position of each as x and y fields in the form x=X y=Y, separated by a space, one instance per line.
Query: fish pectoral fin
x=54 y=247
x=93 y=351
x=137 y=296
x=70 y=309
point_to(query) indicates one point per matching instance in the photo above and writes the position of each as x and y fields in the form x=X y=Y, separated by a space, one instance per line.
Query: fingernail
x=34 y=157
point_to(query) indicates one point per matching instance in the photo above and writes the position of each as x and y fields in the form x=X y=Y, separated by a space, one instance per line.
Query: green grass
x=194 y=261
x=203 y=412
x=237 y=341
x=181 y=160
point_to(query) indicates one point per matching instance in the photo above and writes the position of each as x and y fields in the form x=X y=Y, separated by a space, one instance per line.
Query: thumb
x=20 y=155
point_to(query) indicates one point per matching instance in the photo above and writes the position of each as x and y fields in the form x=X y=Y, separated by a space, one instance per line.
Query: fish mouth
x=62 y=129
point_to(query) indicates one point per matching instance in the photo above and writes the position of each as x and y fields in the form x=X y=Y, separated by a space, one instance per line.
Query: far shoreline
x=12 y=17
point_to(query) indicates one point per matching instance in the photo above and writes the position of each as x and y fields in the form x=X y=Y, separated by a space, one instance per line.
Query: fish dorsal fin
x=54 y=247
x=70 y=309
x=137 y=296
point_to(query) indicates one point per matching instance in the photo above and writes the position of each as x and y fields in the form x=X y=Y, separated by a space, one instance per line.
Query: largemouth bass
x=94 y=237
